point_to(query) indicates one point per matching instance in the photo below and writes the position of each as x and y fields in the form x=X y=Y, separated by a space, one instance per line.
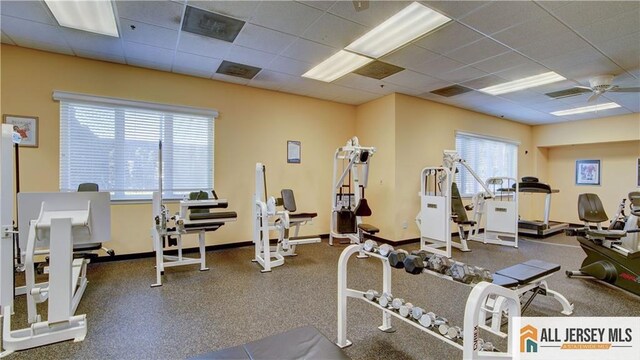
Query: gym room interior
x=169 y=136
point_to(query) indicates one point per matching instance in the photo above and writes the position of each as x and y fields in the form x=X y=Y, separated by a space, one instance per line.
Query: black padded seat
x=370 y=229
x=87 y=247
x=300 y=343
x=608 y=234
x=534 y=187
x=213 y=215
x=504 y=281
x=529 y=271
x=302 y=215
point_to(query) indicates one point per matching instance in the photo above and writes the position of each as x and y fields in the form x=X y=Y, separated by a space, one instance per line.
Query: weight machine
x=266 y=218
x=348 y=204
x=501 y=224
x=194 y=218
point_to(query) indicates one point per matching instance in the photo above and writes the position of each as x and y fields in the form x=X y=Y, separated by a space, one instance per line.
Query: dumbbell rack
x=475 y=310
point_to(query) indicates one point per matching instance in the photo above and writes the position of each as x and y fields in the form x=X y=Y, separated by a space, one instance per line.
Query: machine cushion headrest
x=363 y=208
x=288 y=200
x=364 y=156
x=94 y=187
x=530 y=179
x=590 y=208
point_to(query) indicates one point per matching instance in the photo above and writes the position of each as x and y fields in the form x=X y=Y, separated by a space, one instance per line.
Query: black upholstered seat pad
x=302 y=215
x=213 y=215
x=368 y=228
x=504 y=281
x=526 y=273
x=301 y=343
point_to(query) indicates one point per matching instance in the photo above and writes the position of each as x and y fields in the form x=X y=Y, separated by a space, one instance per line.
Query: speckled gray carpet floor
x=233 y=303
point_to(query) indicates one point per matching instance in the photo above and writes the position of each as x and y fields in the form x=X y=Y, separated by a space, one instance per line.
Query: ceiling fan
x=598 y=85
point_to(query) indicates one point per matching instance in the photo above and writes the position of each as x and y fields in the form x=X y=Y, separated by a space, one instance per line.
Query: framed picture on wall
x=26 y=127
x=587 y=172
x=293 y=152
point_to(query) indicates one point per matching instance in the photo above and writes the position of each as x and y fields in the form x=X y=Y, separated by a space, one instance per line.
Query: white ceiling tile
x=54 y=48
x=334 y=31
x=309 y=51
x=230 y=79
x=268 y=79
x=500 y=15
x=409 y=57
x=353 y=97
x=28 y=10
x=355 y=81
x=483 y=82
x=462 y=74
x=263 y=39
x=593 y=115
x=202 y=45
x=591 y=68
x=525 y=97
x=608 y=30
x=95 y=55
x=527 y=69
x=6 y=40
x=439 y=65
x=376 y=14
x=448 y=38
x=540 y=29
x=289 y=66
x=318 y=4
x=583 y=13
x=91 y=42
x=437 y=85
x=160 y=13
x=455 y=9
x=625 y=51
x=142 y=33
x=145 y=53
x=155 y=64
x=199 y=65
x=242 y=10
x=25 y=32
x=553 y=46
x=411 y=79
x=501 y=62
x=191 y=72
x=569 y=62
x=477 y=51
x=243 y=55
x=289 y=17
x=631 y=101
x=553 y=4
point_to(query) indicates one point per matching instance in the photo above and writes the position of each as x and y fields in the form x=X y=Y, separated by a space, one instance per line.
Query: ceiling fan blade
x=594 y=97
x=583 y=87
x=630 y=89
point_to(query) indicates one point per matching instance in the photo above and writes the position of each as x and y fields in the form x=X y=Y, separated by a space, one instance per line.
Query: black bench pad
x=213 y=215
x=368 y=228
x=301 y=343
x=504 y=281
x=529 y=271
x=302 y=215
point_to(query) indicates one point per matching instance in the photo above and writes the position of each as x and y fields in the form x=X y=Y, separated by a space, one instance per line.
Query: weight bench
x=301 y=343
x=522 y=278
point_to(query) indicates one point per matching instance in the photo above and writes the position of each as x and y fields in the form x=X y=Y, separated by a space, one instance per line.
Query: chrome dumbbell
x=406 y=309
x=385 y=249
x=370 y=245
x=482 y=274
x=430 y=319
x=385 y=300
x=371 y=295
x=462 y=272
x=439 y=263
x=485 y=345
x=397 y=303
x=454 y=333
x=417 y=312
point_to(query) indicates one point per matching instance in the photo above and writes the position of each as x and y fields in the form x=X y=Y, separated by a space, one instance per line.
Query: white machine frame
x=501 y=224
x=475 y=314
x=359 y=174
x=267 y=218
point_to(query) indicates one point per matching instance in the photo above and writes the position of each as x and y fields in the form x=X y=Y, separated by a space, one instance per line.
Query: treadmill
x=544 y=227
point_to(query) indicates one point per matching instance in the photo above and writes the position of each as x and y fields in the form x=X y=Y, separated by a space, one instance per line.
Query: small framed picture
x=26 y=127
x=293 y=152
x=587 y=172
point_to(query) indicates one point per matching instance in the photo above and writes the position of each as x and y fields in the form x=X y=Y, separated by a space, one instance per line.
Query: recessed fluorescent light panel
x=407 y=25
x=94 y=16
x=586 y=109
x=528 y=82
x=338 y=65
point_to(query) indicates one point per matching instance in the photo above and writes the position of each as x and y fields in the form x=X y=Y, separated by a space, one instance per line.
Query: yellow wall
x=603 y=130
x=423 y=130
x=253 y=126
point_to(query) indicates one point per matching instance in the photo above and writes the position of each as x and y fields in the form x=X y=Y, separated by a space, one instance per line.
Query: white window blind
x=116 y=146
x=488 y=157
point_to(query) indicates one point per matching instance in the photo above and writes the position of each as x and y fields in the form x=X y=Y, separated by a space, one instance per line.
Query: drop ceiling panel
x=526 y=97
x=439 y=65
x=541 y=29
x=461 y=75
x=148 y=34
x=82 y=40
x=246 y=56
x=288 y=17
x=409 y=57
x=160 y=13
x=448 y=38
x=267 y=79
x=478 y=51
x=553 y=46
x=567 y=62
x=261 y=38
x=198 y=65
x=550 y=5
x=412 y=80
x=455 y=9
x=289 y=66
x=354 y=97
x=156 y=64
x=110 y=57
x=5 y=39
x=583 y=13
x=321 y=5
x=588 y=69
x=526 y=69
x=501 y=15
x=201 y=45
x=25 y=33
x=625 y=51
x=631 y=101
x=483 y=82
x=309 y=51
x=230 y=79
x=147 y=53
x=28 y=10
x=364 y=83
x=242 y=10
x=501 y=62
x=334 y=31
x=376 y=14
x=608 y=30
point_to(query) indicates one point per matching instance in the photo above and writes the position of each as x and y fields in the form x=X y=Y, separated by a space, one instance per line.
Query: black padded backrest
x=590 y=208
x=363 y=208
x=457 y=207
x=199 y=195
x=288 y=200
x=88 y=187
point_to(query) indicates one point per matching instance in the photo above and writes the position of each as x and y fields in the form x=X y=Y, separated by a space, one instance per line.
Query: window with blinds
x=488 y=157
x=116 y=146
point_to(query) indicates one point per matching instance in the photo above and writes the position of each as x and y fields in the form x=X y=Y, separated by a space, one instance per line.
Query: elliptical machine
x=613 y=254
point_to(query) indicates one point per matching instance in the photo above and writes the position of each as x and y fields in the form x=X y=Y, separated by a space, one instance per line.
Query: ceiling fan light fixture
x=407 y=25
x=525 y=83
x=92 y=16
x=585 y=109
x=338 y=65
